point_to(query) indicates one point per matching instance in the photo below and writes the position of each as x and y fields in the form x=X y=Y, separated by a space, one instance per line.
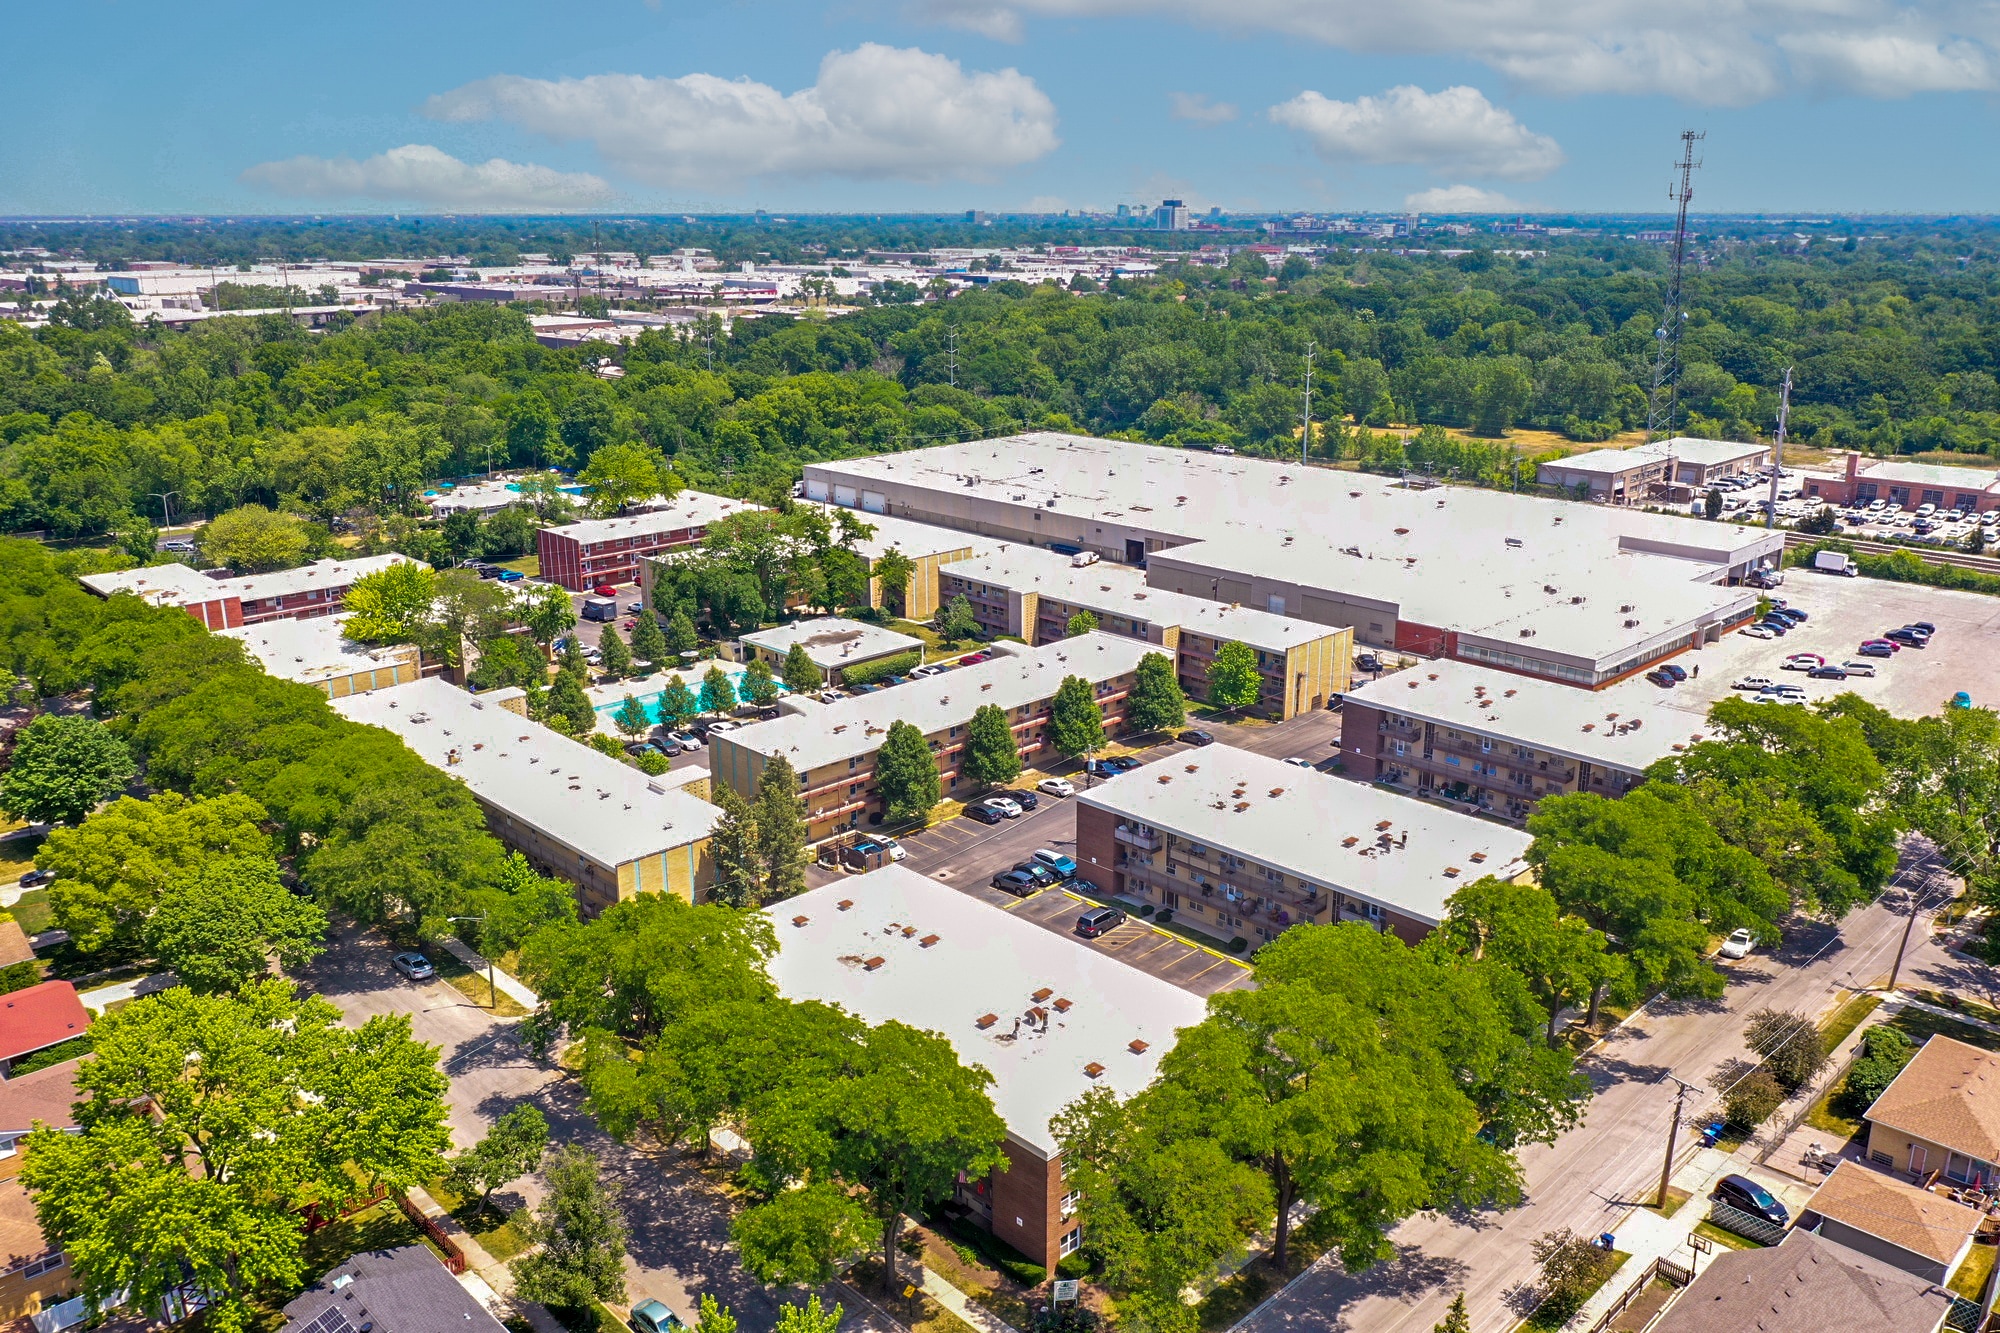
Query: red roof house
x=38 y=1017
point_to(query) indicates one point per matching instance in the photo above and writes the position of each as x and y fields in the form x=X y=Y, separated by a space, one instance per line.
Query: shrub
x=1572 y=1268
x=1884 y=1052
x=1238 y=945
x=1073 y=1266
x=1754 y=1099
x=1166 y=914
x=18 y=976
x=1146 y=909
x=1792 y=1047
x=870 y=672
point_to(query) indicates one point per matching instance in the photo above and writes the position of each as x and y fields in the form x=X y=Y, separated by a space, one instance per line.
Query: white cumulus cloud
x=1718 y=52
x=1197 y=108
x=1459 y=199
x=422 y=174
x=875 y=113
x=1456 y=130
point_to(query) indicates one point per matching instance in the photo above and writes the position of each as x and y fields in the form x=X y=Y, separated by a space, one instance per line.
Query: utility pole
x=1909 y=924
x=1778 y=453
x=951 y=354
x=1663 y=404
x=1673 y=1131
x=1306 y=434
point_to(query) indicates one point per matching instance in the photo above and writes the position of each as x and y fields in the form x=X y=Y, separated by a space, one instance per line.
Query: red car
x=972 y=659
x=605 y=590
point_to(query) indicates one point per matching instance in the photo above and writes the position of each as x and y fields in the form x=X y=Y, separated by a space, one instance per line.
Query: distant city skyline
x=996 y=105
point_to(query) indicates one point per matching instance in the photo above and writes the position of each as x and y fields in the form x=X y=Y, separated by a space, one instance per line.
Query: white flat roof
x=915 y=540
x=983 y=961
x=1555 y=719
x=315 y=649
x=607 y=810
x=1690 y=449
x=1015 y=675
x=833 y=641
x=1107 y=586
x=1301 y=820
x=689 y=509
x=174 y=585
x=1933 y=475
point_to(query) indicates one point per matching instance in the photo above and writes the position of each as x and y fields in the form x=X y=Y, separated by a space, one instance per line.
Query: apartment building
x=1033 y=593
x=315 y=652
x=1047 y=1016
x=929 y=550
x=1584 y=594
x=577 y=814
x=317 y=589
x=1240 y=845
x=832 y=746
x=1501 y=743
x=580 y=556
x=833 y=644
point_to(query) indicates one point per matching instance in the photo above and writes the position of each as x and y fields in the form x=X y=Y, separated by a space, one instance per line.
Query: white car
x=1803 y=661
x=1737 y=945
x=1858 y=668
x=893 y=848
x=1011 y=809
x=1056 y=787
x=1755 y=683
x=930 y=669
x=1296 y=762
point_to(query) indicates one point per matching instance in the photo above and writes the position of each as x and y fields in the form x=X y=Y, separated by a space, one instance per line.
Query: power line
x=1663 y=404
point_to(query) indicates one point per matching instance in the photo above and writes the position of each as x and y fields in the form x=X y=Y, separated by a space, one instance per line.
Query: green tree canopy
x=955 y=622
x=511 y=1148
x=801 y=675
x=391 y=605
x=579 y=1235
x=615 y=658
x=1083 y=622
x=718 y=695
x=1233 y=680
x=568 y=708
x=781 y=830
x=990 y=757
x=622 y=474
x=1076 y=723
x=631 y=719
x=62 y=768
x=649 y=644
x=1156 y=702
x=252 y=539
x=219 y=926
x=759 y=686
x=906 y=773
x=677 y=701
x=1565 y=962
x=893 y=571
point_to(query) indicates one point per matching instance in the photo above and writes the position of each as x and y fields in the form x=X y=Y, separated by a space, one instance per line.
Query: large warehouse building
x=1578 y=593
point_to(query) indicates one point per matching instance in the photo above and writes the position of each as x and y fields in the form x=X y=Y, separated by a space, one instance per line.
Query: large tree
x=906 y=774
x=781 y=830
x=955 y=622
x=62 y=768
x=1156 y=702
x=759 y=685
x=622 y=474
x=391 y=605
x=220 y=926
x=649 y=644
x=990 y=756
x=1076 y=723
x=718 y=695
x=1565 y=961
x=510 y=1149
x=1233 y=679
x=893 y=571
x=614 y=657
x=801 y=674
x=251 y=539
x=579 y=1235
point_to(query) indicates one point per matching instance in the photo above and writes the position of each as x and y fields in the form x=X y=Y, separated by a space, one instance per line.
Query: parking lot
x=1139 y=944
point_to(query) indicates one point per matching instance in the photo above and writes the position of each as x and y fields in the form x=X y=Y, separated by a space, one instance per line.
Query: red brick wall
x=561 y=559
x=1027 y=1204
x=1361 y=740
x=1096 y=849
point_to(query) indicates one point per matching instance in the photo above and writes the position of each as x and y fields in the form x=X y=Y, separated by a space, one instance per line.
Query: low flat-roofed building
x=832 y=642
x=1896 y=481
x=315 y=652
x=580 y=815
x=1919 y=1231
x=1239 y=844
x=1502 y=742
x=1407 y=564
x=310 y=590
x=1941 y=1116
x=583 y=555
x=1661 y=470
x=929 y=549
x=1806 y=1285
x=1033 y=593
x=832 y=746
x=1047 y=1016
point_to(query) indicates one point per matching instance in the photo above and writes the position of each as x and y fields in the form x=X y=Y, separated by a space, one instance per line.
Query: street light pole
x=1909 y=924
x=166 y=509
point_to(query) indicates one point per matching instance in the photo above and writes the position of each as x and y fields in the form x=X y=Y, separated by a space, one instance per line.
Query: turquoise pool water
x=608 y=699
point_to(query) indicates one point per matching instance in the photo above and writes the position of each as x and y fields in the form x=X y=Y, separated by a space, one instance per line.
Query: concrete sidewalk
x=1646 y=1236
x=507 y=985
x=956 y=1301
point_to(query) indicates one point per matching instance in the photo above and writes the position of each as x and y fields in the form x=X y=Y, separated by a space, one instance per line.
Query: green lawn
x=530 y=565
x=1727 y=1239
x=1841 y=1024
x=1970 y=1279
x=17 y=857
x=472 y=985
x=1675 y=1198
x=33 y=911
x=493 y=1229
x=1920 y=1026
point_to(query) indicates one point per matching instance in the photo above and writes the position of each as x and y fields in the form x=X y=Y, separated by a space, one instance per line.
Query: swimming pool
x=608 y=699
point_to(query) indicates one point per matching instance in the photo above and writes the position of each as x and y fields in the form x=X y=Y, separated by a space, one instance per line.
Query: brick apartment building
x=317 y=589
x=1240 y=845
x=1975 y=490
x=580 y=556
x=832 y=746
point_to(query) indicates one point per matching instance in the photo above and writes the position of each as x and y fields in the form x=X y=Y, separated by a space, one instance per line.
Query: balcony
x=1146 y=840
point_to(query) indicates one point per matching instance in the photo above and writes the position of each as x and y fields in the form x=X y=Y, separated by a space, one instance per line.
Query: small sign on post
x=1065 y=1290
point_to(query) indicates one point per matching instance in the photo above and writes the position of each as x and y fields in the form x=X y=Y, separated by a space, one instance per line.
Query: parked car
x=723 y=724
x=1027 y=800
x=687 y=740
x=35 y=877
x=1960 y=700
x=414 y=966
x=605 y=590
x=1056 y=787
x=1757 y=632
x=488 y=571
x=1790 y=613
x=1009 y=809
x=1044 y=877
x=1738 y=944
x=1098 y=920
x=1829 y=672
x=650 y=1316
x=1743 y=1193
x=1754 y=683
x=1197 y=737
x=1858 y=668
x=1778 y=627
x=1803 y=661
x=973 y=659
x=1123 y=763
x=1063 y=865
x=1877 y=648
x=1017 y=882
x=1296 y=762
x=893 y=848
x=511 y=576
x=930 y=669
x=1368 y=662
x=1909 y=638
x=1679 y=673
x=1661 y=679
x=985 y=814
x=1924 y=625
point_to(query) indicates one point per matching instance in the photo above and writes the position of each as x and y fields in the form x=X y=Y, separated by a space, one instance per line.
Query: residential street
x=680 y=1235
x=1591 y=1177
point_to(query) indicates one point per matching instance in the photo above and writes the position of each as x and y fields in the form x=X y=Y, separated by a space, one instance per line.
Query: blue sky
x=218 y=106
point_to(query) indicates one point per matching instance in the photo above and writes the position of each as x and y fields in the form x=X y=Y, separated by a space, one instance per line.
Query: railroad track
x=1984 y=564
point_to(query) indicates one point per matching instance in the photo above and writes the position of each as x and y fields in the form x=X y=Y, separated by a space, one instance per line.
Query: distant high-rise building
x=1171 y=215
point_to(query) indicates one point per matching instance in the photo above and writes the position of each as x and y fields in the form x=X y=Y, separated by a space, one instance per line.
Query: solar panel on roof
x=329 y=1320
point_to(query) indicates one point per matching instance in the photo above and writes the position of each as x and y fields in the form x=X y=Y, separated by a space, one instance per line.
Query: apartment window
x=1070 y=1201
x=48 y=1263
x=1072 y=1240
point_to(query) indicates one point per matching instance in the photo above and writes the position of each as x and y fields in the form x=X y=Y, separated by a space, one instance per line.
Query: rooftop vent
x=1514 y=542
x=1451 y=872
x=1478 y=857
x=1382 y=825
x=1631 y=623
x=1241 y=806
x=800 y=920
x=1137 y=1047
x=985 y=1021
x=1041 y=995
x=909 y=931
x=871 y=964
x=1063 y=1006
x=1402 y=532
x=844 y=904
x=1527 y=634
x=1626 y=607
x=1276 y=792
x=1349 y=842
x=927 y=941
x=1576 y=601
x=1093 y=1070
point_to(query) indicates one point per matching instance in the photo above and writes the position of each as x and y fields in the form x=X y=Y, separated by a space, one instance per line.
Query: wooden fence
x=454 y=1258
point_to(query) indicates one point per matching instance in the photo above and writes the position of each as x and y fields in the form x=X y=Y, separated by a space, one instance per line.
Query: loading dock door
x=843 y=495
x=875 y=502
x=1135 y=552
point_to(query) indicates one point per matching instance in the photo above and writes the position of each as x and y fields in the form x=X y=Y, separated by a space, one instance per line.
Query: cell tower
x=1663 y=405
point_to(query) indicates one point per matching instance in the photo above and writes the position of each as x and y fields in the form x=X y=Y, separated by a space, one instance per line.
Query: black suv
x=1044 y=876
x=1746 y=1195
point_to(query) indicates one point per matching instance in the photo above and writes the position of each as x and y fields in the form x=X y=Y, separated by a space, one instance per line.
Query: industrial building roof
x=604 y=809
x=1397 y=852
x=1539 y=714
x=689 y=509
x=178 y=585
x=314 y=649
x=1049 y=1018
x=1122 y=589
x=833 y=641
x=1683 y=448
x=816 y=734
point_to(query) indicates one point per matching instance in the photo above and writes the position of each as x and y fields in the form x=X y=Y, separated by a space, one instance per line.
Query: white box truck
x=1834 y=562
